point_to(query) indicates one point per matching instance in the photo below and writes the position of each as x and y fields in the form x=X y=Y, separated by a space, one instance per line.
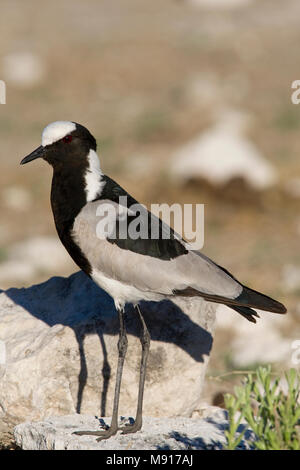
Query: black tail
x=254 y=299
x=251 y=298
x=246 y=312
x=248 y=299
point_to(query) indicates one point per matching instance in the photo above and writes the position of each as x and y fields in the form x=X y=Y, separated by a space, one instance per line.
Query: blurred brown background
x=148 y=78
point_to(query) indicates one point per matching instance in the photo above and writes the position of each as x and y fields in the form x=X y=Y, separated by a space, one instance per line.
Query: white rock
x=222 y=154
x=55 y=433
x=44 y=253
x=220 y=4
x=15 y=271
x=259 y=343
x=26 y=259
x=61 y=352
x=23 y=69
x=203 y=90
x=291 y=277
x=16 y=197
x=206 y=91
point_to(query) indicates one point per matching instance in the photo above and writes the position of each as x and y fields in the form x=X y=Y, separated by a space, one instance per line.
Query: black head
x=64 y=143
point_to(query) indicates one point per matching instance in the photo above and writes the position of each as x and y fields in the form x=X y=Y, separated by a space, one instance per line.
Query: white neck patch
x=56 y=131
x=93 y=177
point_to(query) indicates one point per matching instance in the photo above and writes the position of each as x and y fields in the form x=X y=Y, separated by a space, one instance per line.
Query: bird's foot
x=111 y=431
x=131 y=428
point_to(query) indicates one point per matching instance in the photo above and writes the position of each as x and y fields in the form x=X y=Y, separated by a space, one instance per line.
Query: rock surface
x=23 y=69
x=60 y=348
x=291 y=277
x=265 y=342
x=26 y=260
x=157 y=434
x=222 y=154
x=220 y=4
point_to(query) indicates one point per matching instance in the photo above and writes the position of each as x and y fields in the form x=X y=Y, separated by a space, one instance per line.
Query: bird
x=131 y=269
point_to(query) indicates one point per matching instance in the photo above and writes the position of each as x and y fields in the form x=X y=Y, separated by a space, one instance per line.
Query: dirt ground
x=134 y=72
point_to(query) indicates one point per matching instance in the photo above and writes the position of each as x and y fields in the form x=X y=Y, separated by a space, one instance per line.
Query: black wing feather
x=162 y=248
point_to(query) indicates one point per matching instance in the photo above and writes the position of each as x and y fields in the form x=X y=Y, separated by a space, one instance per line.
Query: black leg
x=122 y=348
x=145 y=341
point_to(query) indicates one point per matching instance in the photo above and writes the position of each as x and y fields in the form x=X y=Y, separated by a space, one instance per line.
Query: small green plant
x=273 y=416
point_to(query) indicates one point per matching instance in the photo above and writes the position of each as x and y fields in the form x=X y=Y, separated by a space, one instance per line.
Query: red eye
x=67 y=139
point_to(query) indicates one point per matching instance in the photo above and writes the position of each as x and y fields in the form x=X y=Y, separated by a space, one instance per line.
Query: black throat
x=67 y=199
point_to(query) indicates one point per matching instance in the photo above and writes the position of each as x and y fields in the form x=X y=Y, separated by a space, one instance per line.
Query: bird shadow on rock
x=77 y=302
x=199 y=443
x=195 y=443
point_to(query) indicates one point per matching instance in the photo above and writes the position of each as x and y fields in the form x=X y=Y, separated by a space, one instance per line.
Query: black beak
x=37 y=153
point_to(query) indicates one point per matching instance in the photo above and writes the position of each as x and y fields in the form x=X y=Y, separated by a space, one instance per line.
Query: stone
x=261 y=343
x=23 y=69
x=59 y=352
x=220 y=4
x=157 y=433
x=26 y=260
x=223 y=154
x=291 y=277
x=16 y=197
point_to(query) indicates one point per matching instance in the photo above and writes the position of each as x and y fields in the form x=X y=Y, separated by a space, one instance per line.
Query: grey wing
x=190 y=270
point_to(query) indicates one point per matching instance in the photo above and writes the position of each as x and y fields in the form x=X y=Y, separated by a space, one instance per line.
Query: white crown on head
x=57 y=130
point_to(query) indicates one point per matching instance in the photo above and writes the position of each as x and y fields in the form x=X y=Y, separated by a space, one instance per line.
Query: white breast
x=123 y=293
x=93 y=177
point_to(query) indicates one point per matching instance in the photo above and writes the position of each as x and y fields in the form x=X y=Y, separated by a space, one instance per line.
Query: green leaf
x=276 y=422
